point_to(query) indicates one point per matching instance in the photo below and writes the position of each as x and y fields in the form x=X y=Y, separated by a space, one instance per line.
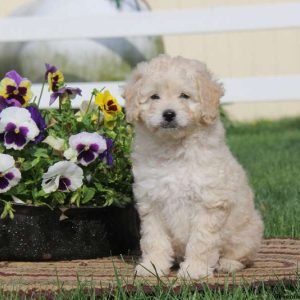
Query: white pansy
x=18 y=127
x=63 y=176
x=9 y=174
x=88 y=146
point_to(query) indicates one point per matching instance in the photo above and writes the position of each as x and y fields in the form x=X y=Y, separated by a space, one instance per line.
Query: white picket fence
x=156 y=23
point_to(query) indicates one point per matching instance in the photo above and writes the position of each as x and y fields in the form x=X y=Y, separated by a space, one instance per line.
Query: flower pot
x=38 y=233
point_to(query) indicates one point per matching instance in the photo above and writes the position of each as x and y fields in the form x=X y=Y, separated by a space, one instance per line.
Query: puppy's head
x=171 y=96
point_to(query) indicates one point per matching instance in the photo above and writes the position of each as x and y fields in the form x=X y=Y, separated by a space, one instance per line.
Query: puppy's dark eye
x=184 y=96
x=155 y=97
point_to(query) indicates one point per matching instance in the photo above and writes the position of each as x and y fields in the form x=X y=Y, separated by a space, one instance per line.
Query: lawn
x=185 y=292
x=270 y=152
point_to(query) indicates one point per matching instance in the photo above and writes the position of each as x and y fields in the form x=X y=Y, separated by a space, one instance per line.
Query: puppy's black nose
x=169 y=115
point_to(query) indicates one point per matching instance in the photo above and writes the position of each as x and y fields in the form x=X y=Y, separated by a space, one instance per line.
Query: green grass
x=270 y=152
x=171 y=292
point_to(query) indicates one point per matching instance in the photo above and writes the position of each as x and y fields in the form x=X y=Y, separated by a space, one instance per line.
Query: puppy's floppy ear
x=131 y=93
x=209 y=92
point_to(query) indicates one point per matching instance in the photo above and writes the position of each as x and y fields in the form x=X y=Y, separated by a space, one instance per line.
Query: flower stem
x=93 y=94
x=88 y=108
x=34 y=99
x=99 y=116
x=59 y=104
x=41 y=94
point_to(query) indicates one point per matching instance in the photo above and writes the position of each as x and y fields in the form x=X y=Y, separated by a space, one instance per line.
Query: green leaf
x=41 y=153
x=26 y=166
x=88 y=194
x=75 y=197
x=20 y=189
x=8 y=210
x=98 y=186
x=4 y=213
x=35 y=162
x=59 y=197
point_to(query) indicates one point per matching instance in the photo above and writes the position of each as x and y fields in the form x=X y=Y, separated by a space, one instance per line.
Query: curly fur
x=192 y=196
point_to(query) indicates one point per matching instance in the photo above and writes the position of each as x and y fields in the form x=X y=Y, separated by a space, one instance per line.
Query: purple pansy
x=49 y=69
x=9 y=175
x=66 y=91
x=16 y=88
x=87 y=153
x=15 y=135
x=39 y=121
x=87 y=146
x=17 y=128
x=106 y=155
x=64 y=184
x=4 y=103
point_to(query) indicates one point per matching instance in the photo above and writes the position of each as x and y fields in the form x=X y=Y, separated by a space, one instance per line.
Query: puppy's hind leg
x=229 y=265
x=240 y=251
x=157 y=252
x=203 y=248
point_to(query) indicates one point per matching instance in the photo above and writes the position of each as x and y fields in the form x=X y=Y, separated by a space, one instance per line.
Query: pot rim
x=62 y=210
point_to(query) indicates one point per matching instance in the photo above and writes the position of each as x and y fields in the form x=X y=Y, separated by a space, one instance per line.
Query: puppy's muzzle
x=169 y=119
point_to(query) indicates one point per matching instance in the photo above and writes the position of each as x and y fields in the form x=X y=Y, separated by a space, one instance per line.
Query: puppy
x=193 y=197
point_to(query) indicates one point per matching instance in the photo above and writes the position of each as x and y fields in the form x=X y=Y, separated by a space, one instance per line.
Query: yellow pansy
x=110 y=107
x=16 y=89
x=55 y=80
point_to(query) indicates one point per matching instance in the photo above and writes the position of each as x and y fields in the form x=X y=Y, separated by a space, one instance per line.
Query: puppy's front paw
x=148 y=269
x=194 y=270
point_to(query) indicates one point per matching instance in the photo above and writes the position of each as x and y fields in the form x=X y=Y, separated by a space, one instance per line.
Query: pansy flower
x=54 y=77
x=4 y=103
x=39 y=121
x=63 y=92
x=109 y=106
x=88 y=146
x=106 y=155
x=64 y=176
x=9 y=174
x=17 y=127
x=16 y=88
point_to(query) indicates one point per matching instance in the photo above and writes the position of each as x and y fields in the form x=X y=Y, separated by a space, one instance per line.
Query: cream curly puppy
x=193 y=197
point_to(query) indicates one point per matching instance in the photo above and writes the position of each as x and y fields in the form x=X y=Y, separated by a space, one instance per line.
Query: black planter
x=37 y=233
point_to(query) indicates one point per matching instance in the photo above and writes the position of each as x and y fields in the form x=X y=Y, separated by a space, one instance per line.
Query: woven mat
x=278 y=259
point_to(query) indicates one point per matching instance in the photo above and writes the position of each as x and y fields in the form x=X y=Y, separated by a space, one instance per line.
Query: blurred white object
x=81 y=59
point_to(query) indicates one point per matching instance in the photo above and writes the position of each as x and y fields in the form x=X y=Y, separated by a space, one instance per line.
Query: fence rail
x=217 y=19
x=250 y=89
